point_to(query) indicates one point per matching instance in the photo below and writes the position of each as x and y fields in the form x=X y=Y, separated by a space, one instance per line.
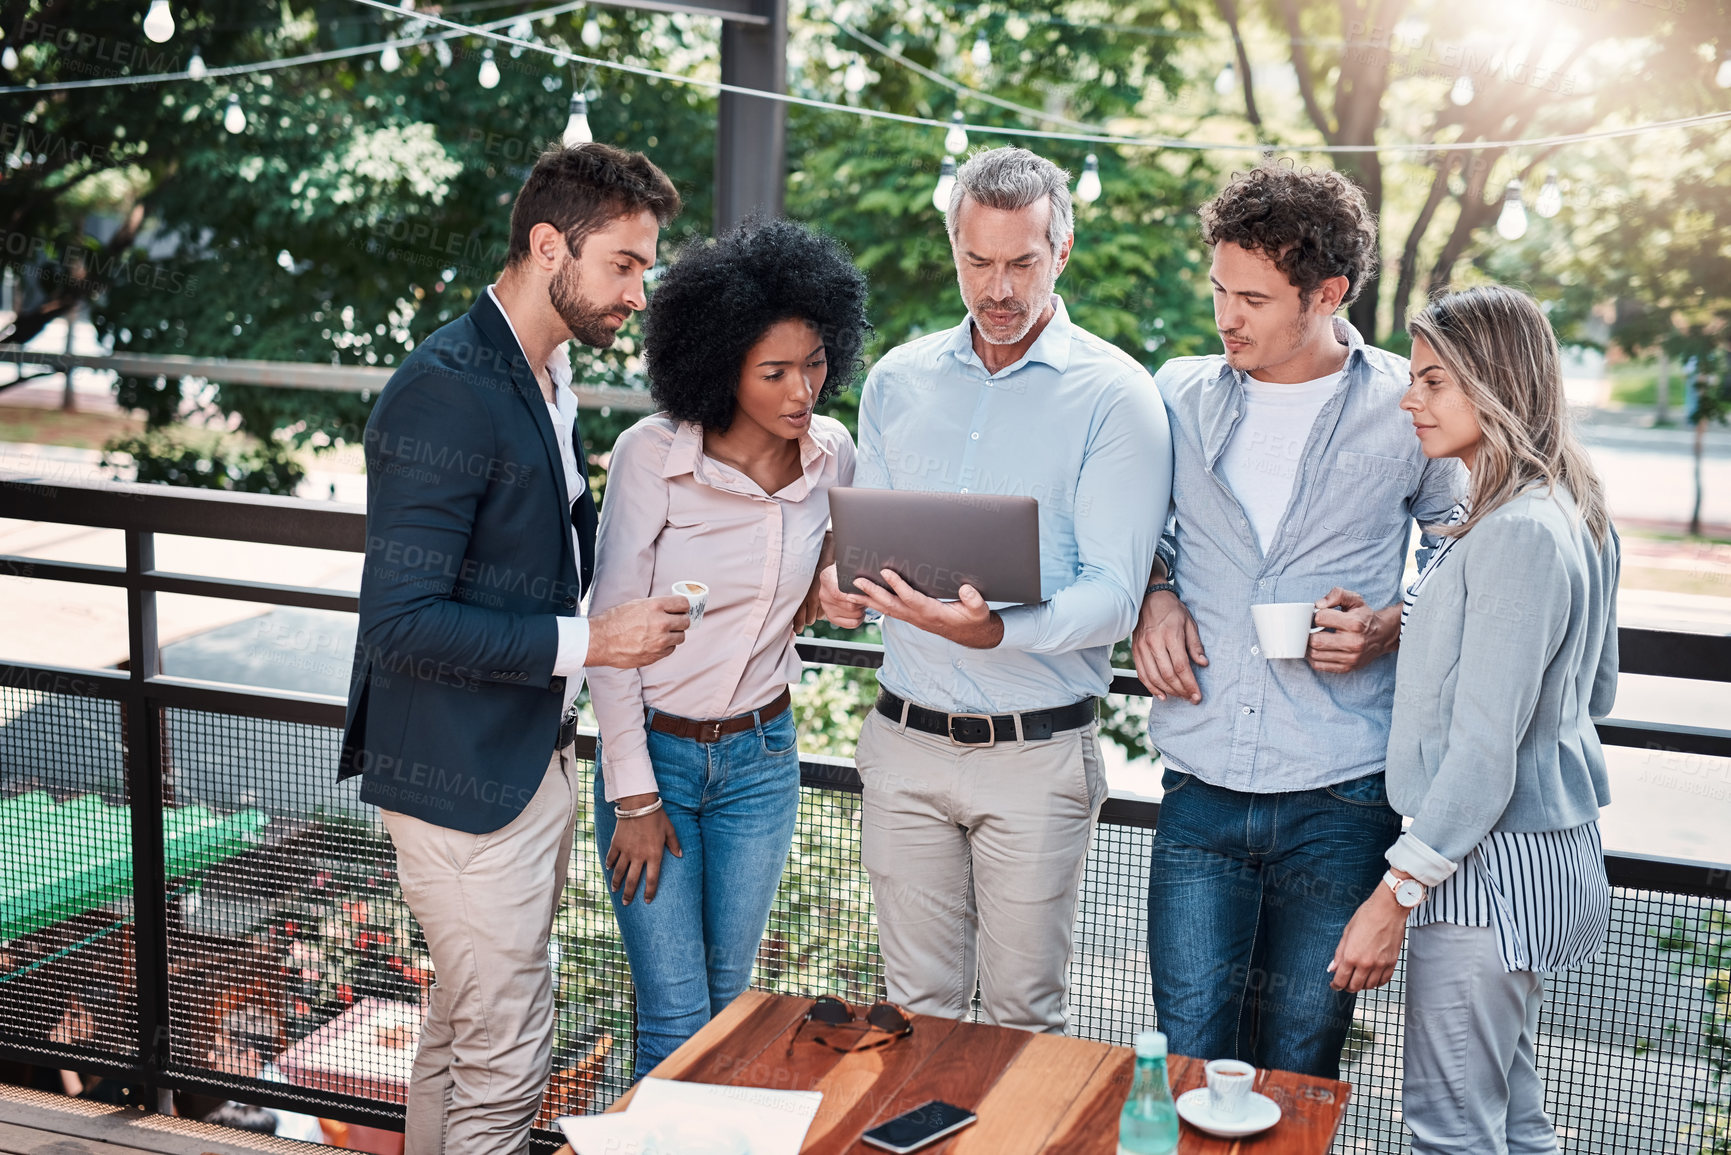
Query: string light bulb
x=159 y=21
x=389 y=59
x=488 y=77
x=1549 y=202
x=234 y=117
x=1512 y=221
x=9 y=59
x=1462 y=92
x=195 y=69
x=1088 y=184
x=591 y=34
x=854 y=78
x=577 y=123
x=946 y=185
x=1226 y=81
x=982 y=52
x=956 y=139
x=1723 y=77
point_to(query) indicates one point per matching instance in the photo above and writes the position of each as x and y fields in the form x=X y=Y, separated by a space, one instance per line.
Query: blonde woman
x=1508 y=652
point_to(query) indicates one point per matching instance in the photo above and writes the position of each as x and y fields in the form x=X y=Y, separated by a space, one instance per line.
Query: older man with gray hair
x=975 y=831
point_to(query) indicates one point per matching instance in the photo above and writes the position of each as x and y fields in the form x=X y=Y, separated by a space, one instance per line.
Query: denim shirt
x=1268 y=726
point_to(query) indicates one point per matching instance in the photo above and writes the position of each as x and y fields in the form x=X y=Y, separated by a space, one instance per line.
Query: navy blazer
x=453 y=705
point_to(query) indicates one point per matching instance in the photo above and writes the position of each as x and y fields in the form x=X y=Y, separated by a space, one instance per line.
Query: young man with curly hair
x=980 y=764
x=1296 y=479
x=697 y=772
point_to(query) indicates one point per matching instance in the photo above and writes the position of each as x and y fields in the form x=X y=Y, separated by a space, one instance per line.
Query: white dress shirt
x=573 y=631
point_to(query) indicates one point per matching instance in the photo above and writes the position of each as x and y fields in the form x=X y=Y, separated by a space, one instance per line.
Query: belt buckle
x=991 y=731
x=710 y=732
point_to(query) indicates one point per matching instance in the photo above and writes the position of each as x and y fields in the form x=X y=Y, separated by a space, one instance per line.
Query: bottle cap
x=1150 y=1045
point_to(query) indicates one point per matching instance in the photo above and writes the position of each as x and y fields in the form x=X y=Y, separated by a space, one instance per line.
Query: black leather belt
x=567 y=732
x=989 y=729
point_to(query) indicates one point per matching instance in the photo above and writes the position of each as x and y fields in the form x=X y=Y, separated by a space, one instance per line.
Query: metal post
x=751 y=133
x=144 y=777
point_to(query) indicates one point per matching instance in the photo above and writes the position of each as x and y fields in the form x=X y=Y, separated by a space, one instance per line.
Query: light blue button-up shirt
x=1077 y=425
x=1267 y=726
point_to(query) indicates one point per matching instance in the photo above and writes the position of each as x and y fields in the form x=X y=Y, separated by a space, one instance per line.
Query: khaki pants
x=486 y=904
x=975 y=855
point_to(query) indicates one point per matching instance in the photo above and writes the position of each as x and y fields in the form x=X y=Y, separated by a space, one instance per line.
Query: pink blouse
x=672 y=514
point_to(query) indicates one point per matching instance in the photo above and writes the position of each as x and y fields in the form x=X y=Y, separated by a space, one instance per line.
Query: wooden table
x=1033 y=1093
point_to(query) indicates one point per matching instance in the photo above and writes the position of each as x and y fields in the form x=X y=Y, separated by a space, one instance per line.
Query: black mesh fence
x=293 y=959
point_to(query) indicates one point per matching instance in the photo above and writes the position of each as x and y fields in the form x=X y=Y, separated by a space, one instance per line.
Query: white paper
x=667 y=1117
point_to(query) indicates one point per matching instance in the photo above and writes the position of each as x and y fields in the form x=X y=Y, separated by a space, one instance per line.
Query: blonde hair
x=1499 y=348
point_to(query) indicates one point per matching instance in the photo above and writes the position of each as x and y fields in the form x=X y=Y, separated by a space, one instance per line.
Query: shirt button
x=1260 y=582
x=1248 y=710
x=1255 y=650
x=974 y=436
x=964 y=489
x=958 y=663
x=1241 y=521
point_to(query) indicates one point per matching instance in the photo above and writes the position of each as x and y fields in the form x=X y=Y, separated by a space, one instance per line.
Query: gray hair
x=1011 y=179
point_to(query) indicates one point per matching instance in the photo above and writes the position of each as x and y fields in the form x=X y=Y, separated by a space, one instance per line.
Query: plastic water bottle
x=1149 y=1123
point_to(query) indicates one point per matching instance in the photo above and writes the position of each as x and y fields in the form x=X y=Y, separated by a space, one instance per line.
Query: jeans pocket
x=779 y=735
x=1172 y=781
x=1371 y=790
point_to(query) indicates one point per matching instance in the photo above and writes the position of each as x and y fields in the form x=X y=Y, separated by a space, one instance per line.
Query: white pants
x=975 y=855
x=1471 y=1087
x=486 y=904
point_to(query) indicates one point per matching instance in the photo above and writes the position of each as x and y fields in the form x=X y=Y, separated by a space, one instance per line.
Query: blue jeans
x=1247 y=897
x=733 y=804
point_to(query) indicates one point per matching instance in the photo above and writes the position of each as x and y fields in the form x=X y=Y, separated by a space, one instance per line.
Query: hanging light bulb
x=956 y=140
x=1549 y=202
x=1226 y=81
x=1512 y=221
x=1723 y=77
x=159 y=21
x=9 y=59
x=233 y=117
x=854 y=78
x=195 y=69
x=946 y=185
x=488 y=77
x=1088 y=184
x=591 y=33
x=982 y=52
x=577 y=124
x=1462 y=92
x=389 y=59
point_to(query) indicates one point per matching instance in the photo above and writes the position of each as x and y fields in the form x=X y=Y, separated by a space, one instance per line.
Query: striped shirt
x=1544 y=892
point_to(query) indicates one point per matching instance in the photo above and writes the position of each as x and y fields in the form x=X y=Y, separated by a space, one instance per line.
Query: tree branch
x=1229 y=13
x=1301 y=68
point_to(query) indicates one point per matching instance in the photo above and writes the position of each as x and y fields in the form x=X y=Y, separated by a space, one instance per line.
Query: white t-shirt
x=1261 y=461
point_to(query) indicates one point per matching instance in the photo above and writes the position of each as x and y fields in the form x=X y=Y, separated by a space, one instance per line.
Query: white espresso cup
x=1283 y=629
x=1229 y=1082
x=696 y=594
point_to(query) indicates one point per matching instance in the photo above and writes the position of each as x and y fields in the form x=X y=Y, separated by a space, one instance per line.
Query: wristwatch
x=1409 y=892
x=1163 y=587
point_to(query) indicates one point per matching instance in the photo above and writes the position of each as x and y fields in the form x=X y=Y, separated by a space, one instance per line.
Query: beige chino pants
x=486 y=904
x=975 y=855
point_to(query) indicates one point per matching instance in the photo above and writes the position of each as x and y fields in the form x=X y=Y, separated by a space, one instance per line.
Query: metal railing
x=286 y=942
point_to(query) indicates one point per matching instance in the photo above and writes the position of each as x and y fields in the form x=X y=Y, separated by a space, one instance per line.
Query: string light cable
x=488 y=31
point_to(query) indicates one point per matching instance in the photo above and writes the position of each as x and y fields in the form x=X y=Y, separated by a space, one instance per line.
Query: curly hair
x=717 y=299
x=1312 y=225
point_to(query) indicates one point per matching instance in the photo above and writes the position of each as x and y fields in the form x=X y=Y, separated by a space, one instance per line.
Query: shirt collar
x=685 y=455
x=558 y=362
x=1051 y=347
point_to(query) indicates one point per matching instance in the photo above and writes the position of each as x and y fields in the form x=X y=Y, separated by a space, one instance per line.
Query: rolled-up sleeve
x=632 y=517
x=1122 y=497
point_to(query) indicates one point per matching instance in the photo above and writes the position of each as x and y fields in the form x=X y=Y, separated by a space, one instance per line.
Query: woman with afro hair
x=697 y=772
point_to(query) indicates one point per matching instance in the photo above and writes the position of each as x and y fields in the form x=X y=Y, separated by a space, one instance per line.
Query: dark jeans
x=1247 y=897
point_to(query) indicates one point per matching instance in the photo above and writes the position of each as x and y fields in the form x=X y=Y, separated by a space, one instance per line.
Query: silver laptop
x=939 y=542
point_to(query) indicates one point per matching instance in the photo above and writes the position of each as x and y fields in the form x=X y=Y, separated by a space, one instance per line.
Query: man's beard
x=1027 y=309
x=586 y=320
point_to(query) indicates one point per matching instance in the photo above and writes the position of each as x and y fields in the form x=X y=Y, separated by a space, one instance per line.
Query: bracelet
x=640 y=812
x=1162 y=587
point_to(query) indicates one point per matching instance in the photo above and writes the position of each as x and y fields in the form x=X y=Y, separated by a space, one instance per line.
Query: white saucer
x=1260 y=1113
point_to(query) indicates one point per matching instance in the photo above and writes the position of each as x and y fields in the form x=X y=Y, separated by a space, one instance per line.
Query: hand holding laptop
x=967 y=621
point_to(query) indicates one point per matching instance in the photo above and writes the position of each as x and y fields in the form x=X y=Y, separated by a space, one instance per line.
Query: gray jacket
x=1508 y=656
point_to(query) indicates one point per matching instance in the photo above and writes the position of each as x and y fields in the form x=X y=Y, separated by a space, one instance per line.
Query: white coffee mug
x=696 y=594
x=1283 y=629
x=1229 y=1082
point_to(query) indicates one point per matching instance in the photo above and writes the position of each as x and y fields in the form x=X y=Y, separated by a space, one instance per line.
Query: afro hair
x=718 y=299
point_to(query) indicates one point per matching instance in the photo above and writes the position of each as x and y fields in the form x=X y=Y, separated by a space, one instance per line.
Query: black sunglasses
x=836 y=1018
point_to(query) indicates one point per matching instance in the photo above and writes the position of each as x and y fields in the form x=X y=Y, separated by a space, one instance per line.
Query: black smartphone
x=926 y=1123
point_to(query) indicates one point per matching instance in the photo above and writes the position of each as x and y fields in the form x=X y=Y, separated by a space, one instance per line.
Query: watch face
x=1410 y=892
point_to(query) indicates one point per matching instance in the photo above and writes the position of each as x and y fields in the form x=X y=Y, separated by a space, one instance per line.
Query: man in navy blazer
x=471 y=648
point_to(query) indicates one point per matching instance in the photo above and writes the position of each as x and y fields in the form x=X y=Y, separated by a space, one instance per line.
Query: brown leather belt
x=712 y=731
